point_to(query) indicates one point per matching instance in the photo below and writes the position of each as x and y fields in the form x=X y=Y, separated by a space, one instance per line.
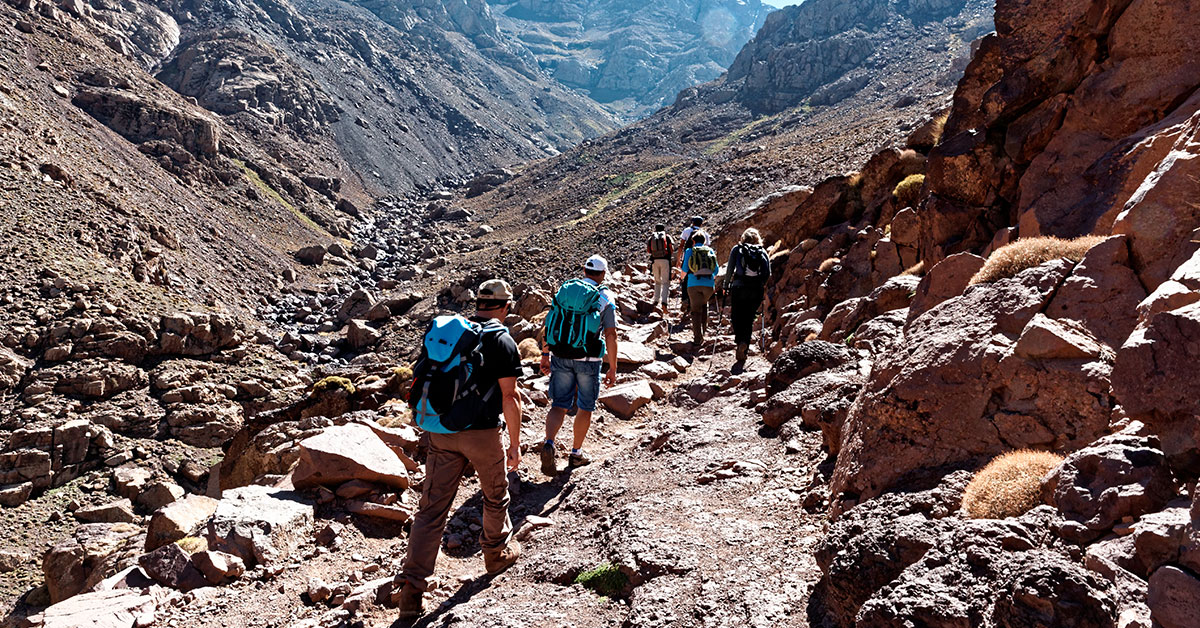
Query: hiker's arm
x=512 y=417
x=610 y=340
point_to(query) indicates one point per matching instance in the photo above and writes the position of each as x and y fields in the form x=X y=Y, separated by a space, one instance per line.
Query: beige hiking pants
x=662 y=281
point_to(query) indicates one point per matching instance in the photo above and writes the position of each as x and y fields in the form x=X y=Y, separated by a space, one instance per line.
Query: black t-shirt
x=500 y=359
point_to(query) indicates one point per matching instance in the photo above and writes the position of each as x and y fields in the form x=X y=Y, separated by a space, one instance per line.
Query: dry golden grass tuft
x=1010 y=485
x=916 y=270
x=1027 y=253
x=908 y=191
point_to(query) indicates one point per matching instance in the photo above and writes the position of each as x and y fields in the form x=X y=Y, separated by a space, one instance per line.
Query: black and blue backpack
x=574 y=322
x=446 y=397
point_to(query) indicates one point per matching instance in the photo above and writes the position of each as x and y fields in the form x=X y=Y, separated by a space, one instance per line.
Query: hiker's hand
x=545 y=366
x=514 y=457
x=610 y=378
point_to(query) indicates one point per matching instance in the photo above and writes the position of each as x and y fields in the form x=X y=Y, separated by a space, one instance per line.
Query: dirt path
x=695 y=504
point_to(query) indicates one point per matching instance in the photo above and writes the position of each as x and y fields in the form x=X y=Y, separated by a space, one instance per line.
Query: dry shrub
x=1010 y=485
x=1027 y=253
x=811 y=337
x=828 y=265
x=939 y=127
x=192 y=544
x=908 y=191
x=916 y=270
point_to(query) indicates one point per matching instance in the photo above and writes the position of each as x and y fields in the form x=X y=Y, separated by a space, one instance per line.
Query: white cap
x=596 y=264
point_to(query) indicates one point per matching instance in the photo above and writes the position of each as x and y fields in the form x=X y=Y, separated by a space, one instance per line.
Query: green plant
x=1010 y=485
x=908 y=191
x=605 y=579
x=1027 y=253
x=330 y=383
x=192 y=544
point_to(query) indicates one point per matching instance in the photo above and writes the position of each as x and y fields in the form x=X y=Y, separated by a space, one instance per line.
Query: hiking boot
x=410 y=602
x=548 y=466
x=495 y=563
x=578 y=460
x=742 y=349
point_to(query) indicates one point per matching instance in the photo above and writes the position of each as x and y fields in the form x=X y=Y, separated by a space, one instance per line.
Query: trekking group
x=464 y=391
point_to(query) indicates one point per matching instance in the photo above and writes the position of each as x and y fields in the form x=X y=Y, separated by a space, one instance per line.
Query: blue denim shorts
x=574 y=383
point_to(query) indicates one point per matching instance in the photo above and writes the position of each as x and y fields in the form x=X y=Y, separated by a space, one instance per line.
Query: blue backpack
x=574 y=323
x=446 y=396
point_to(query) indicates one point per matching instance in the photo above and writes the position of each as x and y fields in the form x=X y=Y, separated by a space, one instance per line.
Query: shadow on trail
x=532 y=498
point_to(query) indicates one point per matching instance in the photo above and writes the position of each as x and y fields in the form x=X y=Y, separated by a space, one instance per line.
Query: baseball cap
x=596 y=264
x=697 y=220
x=495 y=290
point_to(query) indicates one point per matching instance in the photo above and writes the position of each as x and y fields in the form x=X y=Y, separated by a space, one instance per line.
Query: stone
x=348 y=452
x=119 y=511
x=180 y=519
x=1102 y=293
x=805 y=359
x=15 y=494
x=660 y=371
x=396 y=513
x=356 y=305
x=820 y=400
x=11 y=560
x=1159 y=538
x=956 y=389
x=1154 y=380
x=378 y=312
x=130 y=481
x=947 y=279
x=116 y=608
x=1174 y=598
x=259 y=524
x=218 y=568
x=633 y=353
x=625 y=399
x=90 y=554
x=1045 y=338
x=12 y=368
x=159 y=494
x=846 y=317
x=360 y=336
x=205 y=425
x=172 y=567
x=1118 y=477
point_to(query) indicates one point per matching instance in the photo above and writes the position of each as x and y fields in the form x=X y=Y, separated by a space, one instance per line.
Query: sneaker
x=410 y=602
x=579 y=460
x=496 y=563
x=548 y=466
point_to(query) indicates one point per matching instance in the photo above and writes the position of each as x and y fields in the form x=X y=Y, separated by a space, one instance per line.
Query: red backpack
x=660 y=246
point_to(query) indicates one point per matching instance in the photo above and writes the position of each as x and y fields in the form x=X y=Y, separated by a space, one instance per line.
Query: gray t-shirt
x=608 y=312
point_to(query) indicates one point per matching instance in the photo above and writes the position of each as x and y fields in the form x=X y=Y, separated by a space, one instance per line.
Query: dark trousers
x=743 y=308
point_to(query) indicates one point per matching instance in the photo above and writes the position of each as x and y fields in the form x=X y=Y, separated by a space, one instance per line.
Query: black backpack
x=753 y=262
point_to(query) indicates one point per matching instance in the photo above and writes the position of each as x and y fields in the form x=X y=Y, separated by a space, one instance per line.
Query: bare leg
x=583 y=422
x=554 y=421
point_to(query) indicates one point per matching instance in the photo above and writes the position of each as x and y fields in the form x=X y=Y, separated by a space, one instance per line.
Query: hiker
x=685 y=244
x=661 y=252
x=748 y=270
x=581 y=334
x=700 y=264
x=477 y=359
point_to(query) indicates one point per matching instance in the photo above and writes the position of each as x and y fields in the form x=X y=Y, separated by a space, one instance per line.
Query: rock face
x=92 y=553
x=636 y=55
x=186 y=517
x=818 y=50
x=976 y=376
x=116 y=608
x=1101 y=88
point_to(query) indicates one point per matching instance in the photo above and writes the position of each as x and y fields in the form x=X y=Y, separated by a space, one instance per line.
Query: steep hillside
x=632 y=56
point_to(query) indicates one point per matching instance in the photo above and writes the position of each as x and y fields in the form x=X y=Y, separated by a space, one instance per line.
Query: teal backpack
x=574 y=323
x=446 y=397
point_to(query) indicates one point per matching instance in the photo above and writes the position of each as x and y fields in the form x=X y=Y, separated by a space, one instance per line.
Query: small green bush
x=908 y=191
x=606 y=579
x=331 y=383
x=1026 y=253
x=1010 y=485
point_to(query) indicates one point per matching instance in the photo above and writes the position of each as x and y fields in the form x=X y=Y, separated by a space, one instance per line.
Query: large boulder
x=348 y=452
x=1174 y=598
x=947 y=279
x=821 y=401
x=805 y=359
x=177 y=520
x=1117 y=478
x=114 y=608
x=259 y=524
x=12 y=368
x=845 y=318
x=1102 y=292
x=90 y=554
x=978 y=375
x=624 y=400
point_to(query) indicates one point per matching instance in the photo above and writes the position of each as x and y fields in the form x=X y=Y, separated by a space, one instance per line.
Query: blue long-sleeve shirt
x=694 y=280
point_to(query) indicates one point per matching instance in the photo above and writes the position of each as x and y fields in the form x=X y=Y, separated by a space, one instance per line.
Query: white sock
x=576 y=452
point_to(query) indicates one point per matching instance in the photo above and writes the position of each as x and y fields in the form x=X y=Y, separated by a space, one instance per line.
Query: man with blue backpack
x=580 y=335
x=465 y=379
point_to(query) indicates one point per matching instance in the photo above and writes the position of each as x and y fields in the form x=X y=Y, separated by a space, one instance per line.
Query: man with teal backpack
x=464 y=381
x=581 y=334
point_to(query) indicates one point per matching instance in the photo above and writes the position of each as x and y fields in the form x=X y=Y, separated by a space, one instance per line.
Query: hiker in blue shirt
x=581 y=335
x=700 y=265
